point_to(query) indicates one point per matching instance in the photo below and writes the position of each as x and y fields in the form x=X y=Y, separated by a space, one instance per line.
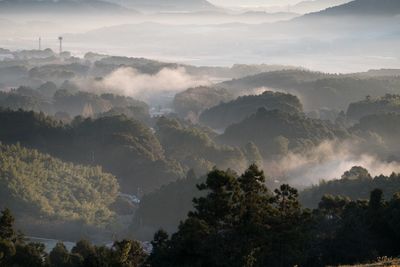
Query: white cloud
x=129 y=82
x=328 y=161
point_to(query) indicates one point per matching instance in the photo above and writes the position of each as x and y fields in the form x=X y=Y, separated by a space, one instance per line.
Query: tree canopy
x=43 y=186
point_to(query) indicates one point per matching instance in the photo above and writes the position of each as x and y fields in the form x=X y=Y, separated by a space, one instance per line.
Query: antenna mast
x=61 y=40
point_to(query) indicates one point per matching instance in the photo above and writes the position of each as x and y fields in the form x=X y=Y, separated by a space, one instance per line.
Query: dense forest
x=67 y=102
x=372 y=106
x=320 y=89
x=107 y=141
x=199 y=133
x=80 y=159
x=354 y=184
x=275 y=132
x=39 y=185
x=238 y=221
x=229 y=113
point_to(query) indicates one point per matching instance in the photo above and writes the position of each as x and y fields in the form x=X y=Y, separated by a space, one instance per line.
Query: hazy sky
x=254 y=2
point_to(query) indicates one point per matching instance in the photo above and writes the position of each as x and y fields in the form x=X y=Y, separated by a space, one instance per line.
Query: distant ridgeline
x=169 y=5
x=321 y=90
x=190 y=103
x=67 y=102
x=83 y=7
x=363 y=8
x=370 y=106
x=225 y=114
x=275 y=132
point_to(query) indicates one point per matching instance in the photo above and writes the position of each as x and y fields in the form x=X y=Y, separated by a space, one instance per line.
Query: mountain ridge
x=167 y=5
x=63 y=6
x=309 y=6
x=362 y=8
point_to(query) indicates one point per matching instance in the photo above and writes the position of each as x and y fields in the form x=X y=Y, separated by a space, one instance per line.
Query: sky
x=254 y=2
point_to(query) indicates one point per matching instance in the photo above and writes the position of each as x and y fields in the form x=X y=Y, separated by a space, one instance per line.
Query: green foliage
x=48 y=98
x=354 y=231
x=238 y=223
x=371 y=106
x=317 y=90
x=6 y=225
x=275 y=132
x=125 y=253
x=193 y=148
x=284 y=79
x=354 y=184
x=80 y=103
x=59 y=256
x=386 y=126
x=225 y=114
x=17 y=100
x=128 y=253
x=166 y=207
x=139 y=113
x=14 y=251
x=7 y=251
x=127 y=148
x=356 y=173
x=41 y=185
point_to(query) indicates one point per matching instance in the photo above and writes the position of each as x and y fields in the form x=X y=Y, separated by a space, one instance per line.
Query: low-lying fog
x=219 y=39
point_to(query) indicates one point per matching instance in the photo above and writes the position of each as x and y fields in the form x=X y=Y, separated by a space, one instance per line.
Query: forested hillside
x=240 y=217
x=192 y=102
x=373 y=106
x=385 y=126
x=320 y=90
x=118 y=144
x=166 y=207
x=199 y=133
x=66 y=102
x=225 y=114
x=231 y=209
x=194 y=148
x=38 y=185
x=276 y=132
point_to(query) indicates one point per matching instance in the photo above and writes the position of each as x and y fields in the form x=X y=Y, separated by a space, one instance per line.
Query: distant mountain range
x=363 y=8
x=167 y=5
x=62 y=6
x=316 y=5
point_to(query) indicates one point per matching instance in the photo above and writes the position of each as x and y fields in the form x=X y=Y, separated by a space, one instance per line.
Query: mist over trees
x=198 y=135
x=373 y=106
x=275 y=132
x=107 y=141
x=150 y=155
x=226 y=114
